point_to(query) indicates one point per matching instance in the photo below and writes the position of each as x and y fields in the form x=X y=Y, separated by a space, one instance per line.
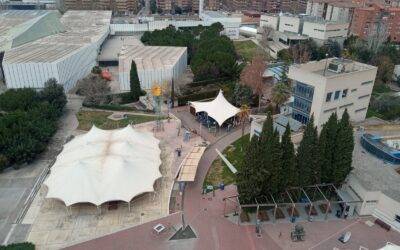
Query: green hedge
x=183 y=100
x=19 y=246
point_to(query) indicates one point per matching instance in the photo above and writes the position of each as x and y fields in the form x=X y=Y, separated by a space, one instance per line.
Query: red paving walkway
x=214 y=232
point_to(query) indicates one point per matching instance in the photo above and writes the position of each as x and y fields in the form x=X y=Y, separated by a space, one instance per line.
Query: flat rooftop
x=82 y=29
x=113 y=46
x=373 y=173
x=15 y=22
x=150 y=57
x=318 y=67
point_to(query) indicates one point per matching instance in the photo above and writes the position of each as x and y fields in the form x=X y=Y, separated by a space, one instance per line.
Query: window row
x=336 y=95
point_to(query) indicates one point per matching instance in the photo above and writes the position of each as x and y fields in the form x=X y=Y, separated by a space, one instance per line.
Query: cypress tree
x=270 y=153
x=249 y=180
x=327 y=147
x=275 y=169
x=307 y=160
x=343 y=154
x=136 y=91
x=289 y=172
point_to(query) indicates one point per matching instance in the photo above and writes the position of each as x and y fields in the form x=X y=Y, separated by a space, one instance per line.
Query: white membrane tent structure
x=219 y=109
x=105 y=165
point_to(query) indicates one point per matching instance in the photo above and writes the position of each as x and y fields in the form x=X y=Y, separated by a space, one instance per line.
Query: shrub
x=27 y=126
x=183 y=100
x=96 y=70
x=3 y=162
x=19 y=246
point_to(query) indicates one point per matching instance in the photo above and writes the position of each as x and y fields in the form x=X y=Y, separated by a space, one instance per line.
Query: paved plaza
x=53 y=227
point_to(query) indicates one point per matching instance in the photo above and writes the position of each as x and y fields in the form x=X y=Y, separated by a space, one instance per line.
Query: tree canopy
x=28 y=121
x=210 y=54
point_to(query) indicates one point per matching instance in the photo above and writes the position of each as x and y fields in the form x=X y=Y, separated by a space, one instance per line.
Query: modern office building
x=67 y=56
x=331 y=85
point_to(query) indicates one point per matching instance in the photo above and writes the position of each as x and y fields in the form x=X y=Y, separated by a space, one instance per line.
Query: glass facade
x=303 y=96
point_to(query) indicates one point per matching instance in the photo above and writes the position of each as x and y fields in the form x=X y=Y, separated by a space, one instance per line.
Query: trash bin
x=222 y=186
x=293 y=219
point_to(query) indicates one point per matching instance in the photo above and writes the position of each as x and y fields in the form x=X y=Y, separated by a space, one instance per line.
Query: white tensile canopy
x=105 y=165
x=219 y=109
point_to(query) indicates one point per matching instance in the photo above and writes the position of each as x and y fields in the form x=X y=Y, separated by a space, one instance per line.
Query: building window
x=344 y=93
x=360 y=110
x=328 y=97
x=368 y=82
x=347 y=105
x=329 y=110
x=337 y=93
x=363 y=96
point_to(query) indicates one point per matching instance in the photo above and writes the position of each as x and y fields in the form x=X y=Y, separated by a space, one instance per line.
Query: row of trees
x=308 y=50
x=210 y=54
x=271 y=165
x=28 y=119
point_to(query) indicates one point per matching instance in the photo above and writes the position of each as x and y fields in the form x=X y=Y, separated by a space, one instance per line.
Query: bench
x=382 y=224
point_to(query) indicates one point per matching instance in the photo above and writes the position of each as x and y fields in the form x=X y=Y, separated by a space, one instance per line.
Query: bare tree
x=267 y=35
x=252 y=76
x=377 y=35
x=94 y=88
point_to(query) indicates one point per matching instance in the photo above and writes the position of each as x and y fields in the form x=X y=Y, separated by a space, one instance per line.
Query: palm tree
x=243 y=115
x=280 y=94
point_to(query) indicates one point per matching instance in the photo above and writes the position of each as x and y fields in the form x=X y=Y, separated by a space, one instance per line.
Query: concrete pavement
x=16 y=184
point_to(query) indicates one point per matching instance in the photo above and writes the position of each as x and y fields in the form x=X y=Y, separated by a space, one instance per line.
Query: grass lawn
x=219 y=172
x=99 y=118
x=247 y=49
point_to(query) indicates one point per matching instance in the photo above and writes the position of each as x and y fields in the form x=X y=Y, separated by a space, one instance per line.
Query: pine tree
x=327 y=147
x=289 y=172
x=136 y=91
x=343 y=155
x=307 y=158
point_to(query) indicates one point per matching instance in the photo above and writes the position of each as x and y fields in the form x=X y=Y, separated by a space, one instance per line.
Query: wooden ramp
x=189 y=165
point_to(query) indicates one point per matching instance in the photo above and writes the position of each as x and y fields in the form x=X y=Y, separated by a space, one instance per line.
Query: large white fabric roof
x=102 y=166
x=219 y=109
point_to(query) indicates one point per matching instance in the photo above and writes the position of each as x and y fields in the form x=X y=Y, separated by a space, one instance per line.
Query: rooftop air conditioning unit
x=336 y=67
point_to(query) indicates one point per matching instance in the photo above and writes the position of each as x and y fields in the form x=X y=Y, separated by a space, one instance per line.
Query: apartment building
x=293 y=6
x=339 y=10
x=212 y=4
x=331 y=85
x=121 y=6
x=376 y=19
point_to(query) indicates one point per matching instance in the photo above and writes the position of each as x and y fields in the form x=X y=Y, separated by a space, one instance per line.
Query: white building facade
x=155 y=65
x=324 y=31
x=376 y=202
x=67 y=56
x=331 y=85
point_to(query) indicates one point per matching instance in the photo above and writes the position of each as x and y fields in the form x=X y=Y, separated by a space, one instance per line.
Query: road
x=16 y=184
